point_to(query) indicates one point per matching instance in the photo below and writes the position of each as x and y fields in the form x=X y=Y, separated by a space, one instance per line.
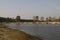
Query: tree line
x=47 y=19
x=2 y=19
x=18 y=19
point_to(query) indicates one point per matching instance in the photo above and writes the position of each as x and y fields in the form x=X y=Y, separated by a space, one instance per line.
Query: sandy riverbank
x=12 y=34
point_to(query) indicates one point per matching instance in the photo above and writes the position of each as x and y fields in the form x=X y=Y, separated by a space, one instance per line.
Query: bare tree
x=58 y=19
x=54 y=19
x=47 y=19
x=50 y=19
x=42 y=19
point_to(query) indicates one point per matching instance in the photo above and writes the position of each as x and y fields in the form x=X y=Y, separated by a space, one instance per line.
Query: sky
x=29 y=8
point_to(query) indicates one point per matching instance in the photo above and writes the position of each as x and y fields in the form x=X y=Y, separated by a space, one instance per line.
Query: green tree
x=37 y=18
x=18 y=18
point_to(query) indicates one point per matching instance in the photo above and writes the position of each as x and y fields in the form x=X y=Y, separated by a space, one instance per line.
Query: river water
x=44 y=31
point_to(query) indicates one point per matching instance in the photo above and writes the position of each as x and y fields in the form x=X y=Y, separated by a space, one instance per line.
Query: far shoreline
x=30 y=22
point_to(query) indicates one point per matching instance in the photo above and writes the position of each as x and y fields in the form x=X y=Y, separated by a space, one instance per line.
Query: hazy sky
x=29 y=8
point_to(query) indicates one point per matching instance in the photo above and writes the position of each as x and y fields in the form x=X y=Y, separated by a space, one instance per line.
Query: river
x=44 y=31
